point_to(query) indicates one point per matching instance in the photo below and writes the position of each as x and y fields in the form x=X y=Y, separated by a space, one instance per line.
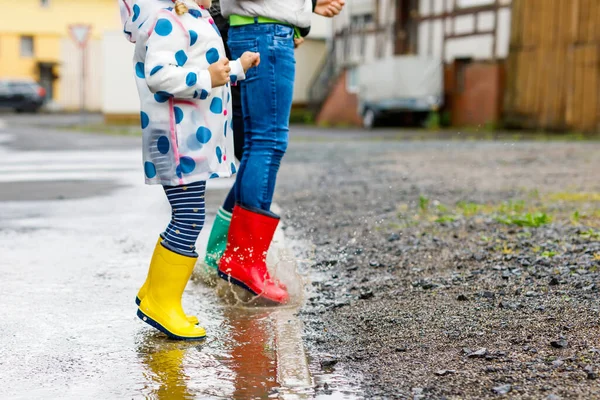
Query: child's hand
x=249 y=59
x=219 y=72
x=298 y=42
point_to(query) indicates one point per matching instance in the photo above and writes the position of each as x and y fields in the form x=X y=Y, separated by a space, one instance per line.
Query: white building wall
x=309 y=58
x=120 y=93
x=430 y=41
x=479 y=47
x=71 y=77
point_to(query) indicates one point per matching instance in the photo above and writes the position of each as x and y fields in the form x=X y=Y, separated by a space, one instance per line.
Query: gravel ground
x=450 y=269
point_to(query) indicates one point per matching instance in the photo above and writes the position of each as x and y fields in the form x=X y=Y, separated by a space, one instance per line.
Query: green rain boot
x=215 y=248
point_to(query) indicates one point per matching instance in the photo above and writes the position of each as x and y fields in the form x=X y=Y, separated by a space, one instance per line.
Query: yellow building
x=35 y=43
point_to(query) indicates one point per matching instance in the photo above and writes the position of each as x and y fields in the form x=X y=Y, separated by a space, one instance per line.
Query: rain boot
x=217 y=240
x=244 y=262
x=142 y=292
x=161 y=307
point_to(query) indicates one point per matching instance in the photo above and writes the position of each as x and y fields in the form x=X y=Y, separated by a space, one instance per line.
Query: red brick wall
x=340 y=107
x=475 y=98
x=473 y=95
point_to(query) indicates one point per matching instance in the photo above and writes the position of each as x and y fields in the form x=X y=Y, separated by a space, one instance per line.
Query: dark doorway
x=407 y=12
x=47 y=78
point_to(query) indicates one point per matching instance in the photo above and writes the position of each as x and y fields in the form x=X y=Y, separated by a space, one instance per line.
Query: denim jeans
x=266 y=95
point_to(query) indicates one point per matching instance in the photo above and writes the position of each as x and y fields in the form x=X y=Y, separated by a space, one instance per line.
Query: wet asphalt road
x=409 y=273
x=77 y=228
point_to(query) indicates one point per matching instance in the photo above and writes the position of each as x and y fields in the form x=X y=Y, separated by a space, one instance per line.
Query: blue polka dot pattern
x=195 y=13
x=219 y=155
x=162 y=97
x=203 y=135
x=233 y=79
x=228 y=97
x=181 y=58
x=233 y=169
x=136 y=13
x=145 y=120
x=193 y=143
x=216 y=105
x=191 y=79
x=187 y=164
x=139 y=70
x=213 y=176
x=193 y=38
x=203 y=94
x=225 y=129
x=163 y=27
x=156 y=69
x=178 y=171
x=178 y=114
x=212 y=55
x=149 y=169
x=163 y=145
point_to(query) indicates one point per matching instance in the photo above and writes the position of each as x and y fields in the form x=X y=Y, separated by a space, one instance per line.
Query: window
x=44 y=3
x=361 y=20
x=352 y=80
x=27 y=50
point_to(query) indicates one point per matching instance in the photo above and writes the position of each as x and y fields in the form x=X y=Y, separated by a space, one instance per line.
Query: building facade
x=459 y=33
x=35 y=43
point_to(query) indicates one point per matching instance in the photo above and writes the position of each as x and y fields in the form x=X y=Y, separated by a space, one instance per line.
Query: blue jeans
x=267 y=95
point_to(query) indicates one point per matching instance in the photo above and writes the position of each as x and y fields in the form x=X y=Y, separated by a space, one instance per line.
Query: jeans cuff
x=257 y=210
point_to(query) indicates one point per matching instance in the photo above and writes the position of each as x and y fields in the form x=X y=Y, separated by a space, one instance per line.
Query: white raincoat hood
x=134 y=13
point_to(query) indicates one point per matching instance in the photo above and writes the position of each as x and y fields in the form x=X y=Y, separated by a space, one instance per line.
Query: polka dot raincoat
x=187 y=129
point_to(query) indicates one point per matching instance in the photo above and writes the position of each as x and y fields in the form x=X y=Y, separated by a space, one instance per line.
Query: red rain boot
x=244 y=262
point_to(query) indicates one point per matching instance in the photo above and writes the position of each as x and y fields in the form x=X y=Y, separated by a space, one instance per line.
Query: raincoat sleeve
x=237 y=72
x=165 y=62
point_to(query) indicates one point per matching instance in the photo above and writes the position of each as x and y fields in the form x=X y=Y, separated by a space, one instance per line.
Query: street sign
x=80 y=33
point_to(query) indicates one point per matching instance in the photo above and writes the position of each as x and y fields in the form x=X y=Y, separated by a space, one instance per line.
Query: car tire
x=369 y=119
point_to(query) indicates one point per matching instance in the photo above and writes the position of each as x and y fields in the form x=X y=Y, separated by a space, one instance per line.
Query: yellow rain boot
x=142 y=292
x=161 y=307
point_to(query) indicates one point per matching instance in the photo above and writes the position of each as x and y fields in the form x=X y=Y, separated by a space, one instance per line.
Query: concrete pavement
x=77 y=228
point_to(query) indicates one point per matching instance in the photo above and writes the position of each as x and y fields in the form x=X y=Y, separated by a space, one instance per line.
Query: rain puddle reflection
x=238 y=360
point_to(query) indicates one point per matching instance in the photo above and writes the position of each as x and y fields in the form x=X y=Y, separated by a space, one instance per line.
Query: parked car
x=401 y=84
x=21 y=95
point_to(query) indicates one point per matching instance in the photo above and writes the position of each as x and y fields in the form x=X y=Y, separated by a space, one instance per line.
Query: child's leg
x=266 y=101
x=230 y=200
x=266 y=96
x=187 y=218
x=217 y=241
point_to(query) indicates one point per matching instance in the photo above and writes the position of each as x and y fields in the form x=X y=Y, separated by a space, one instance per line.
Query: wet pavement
x=77 y=229
x=430 y=267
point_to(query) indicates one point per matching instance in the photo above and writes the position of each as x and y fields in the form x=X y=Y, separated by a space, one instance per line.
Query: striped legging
x=187 y=217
